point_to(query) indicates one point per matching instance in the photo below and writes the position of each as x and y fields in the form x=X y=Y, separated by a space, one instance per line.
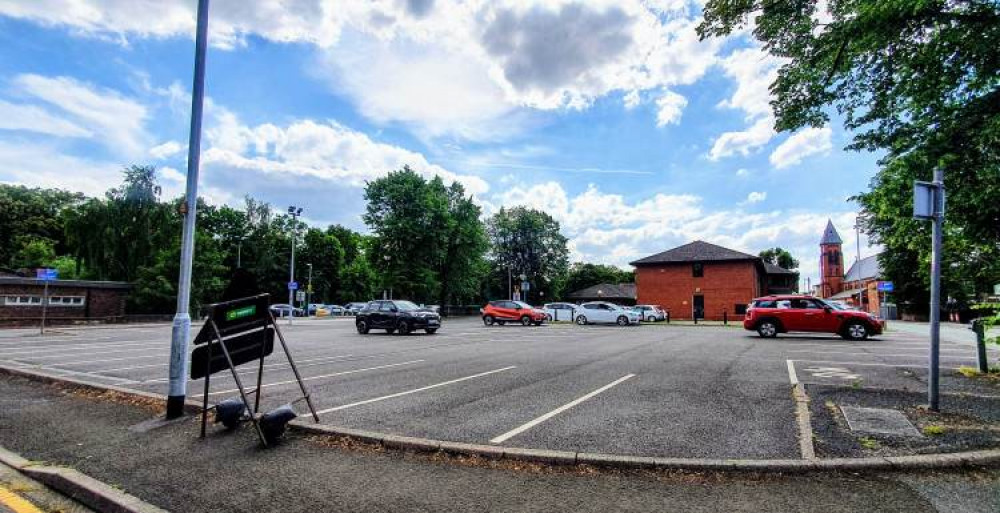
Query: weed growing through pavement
x=933 y=430
x=868 y=443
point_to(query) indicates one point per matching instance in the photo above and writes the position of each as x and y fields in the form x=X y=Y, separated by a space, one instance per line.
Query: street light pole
x=295 y=212
x=181 y=330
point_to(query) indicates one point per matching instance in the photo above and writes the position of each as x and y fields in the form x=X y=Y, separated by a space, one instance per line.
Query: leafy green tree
x=916 y=80
x=34 y=253
x=32 y=214
x=427 y=237
x=528 y=242
x=582 y=275
x=780 y=257
x=323 y=251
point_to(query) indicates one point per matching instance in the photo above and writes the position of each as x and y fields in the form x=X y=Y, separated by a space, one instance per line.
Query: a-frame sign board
x=237 y=332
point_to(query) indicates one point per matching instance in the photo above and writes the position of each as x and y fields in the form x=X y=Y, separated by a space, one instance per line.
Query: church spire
x=830 y=235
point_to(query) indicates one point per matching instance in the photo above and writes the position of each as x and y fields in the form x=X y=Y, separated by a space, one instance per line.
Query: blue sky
x=610 y=115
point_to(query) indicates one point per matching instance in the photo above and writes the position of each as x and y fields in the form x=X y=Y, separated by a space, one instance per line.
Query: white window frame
x=36 y=300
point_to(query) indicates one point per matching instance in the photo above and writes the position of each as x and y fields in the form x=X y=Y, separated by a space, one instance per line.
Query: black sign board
x=234 y=317
x=242 y=349
x=243 y=329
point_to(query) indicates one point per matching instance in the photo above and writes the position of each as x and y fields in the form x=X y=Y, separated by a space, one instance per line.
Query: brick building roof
x=770 y=268
x=697 y=251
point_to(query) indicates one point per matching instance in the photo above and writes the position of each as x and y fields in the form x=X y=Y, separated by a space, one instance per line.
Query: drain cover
x=878 y=420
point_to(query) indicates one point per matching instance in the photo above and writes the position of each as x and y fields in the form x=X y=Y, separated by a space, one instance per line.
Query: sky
x=612 y=116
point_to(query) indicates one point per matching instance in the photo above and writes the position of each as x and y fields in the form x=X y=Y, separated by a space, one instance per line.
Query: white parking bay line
x=310 y=378
x=524 y=427
x=415 y=390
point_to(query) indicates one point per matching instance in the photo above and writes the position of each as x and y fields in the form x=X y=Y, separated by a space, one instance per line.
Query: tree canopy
x=780 y=257
x=583 y=274
x=528 y=242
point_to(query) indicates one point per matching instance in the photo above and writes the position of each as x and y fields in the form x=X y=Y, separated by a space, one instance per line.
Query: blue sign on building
x=293 y=285
x=884 y=286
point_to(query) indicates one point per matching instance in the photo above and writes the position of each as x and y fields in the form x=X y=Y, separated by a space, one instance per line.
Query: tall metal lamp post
x=294 y=212
x=181 y=330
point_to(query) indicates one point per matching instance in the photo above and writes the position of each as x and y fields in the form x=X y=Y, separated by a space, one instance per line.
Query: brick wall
x=724 y=285
x=100 y=303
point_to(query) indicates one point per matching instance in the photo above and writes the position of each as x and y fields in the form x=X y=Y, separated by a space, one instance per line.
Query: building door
x=699 y=307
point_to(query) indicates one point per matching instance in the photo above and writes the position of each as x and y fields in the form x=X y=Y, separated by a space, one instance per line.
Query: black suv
x=396 y=316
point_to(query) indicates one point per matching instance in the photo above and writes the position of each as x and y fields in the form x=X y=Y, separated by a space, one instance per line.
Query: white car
x=602 y=312
x=651 y=313
x=559 y=311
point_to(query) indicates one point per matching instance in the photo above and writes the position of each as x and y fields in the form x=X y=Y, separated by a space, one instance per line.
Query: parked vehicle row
x=595 y=312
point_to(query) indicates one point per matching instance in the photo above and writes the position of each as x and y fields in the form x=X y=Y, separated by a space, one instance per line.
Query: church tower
x=831 y=262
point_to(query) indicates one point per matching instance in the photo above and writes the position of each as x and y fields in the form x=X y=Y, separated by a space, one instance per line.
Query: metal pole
x=291 y=278
x=510 y=287
x=935 y=313
x=239 y=247
x=45 y=304
x=309 y=290
x=181 y=330
x=981 y=358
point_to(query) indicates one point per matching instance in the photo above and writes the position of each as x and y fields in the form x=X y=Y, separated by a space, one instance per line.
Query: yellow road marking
x=16 y=502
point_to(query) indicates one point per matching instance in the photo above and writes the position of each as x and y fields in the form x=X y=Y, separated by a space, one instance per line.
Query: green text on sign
x=240 y=313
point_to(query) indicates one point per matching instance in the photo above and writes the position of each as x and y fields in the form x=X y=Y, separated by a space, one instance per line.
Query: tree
x=32 y=214
x=427 y=237
x=527 y=242
x=917 y=80
x=323 y=251
x=779 y=257
x=34 y=253
x=582 y=275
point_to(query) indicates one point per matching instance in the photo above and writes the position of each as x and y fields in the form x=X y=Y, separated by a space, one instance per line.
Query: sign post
x=237 y=332
x=928 y=203
x=46 y=275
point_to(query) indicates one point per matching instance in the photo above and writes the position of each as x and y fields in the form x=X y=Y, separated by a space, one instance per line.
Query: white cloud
x=308 y=149
x=810 y=141
x=467 y=69
x=41 y=165
x=742 y=172
x=756 y=197
x=165 y=150
x=753 y=70
x=669 y=108
x=119 y=121
x=32 y=118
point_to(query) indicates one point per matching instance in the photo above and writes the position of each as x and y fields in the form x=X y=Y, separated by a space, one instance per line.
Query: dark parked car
x=395 y=316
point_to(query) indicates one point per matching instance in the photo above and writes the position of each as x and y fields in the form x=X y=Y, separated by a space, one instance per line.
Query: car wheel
x=651 y=319
x=623 y=321
x=856 y=331
x=488 y=320
x=431 y=331
x=767 y=329
x=362 y=327
x=581 y=320
x=403 y=328
x=525 y=321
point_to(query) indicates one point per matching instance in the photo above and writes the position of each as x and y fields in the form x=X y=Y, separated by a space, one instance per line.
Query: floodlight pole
x=937 y=221
x=181 y=331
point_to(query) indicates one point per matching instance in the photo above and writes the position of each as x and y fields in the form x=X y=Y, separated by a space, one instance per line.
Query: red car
x=501 y=312
x=771 y=315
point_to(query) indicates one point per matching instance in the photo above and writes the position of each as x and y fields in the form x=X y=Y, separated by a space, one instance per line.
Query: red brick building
x=69 y=301
x=708 y=281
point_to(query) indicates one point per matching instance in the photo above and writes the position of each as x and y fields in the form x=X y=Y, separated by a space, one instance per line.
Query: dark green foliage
x=528 y=242
x=779 y=257
x=582 y=275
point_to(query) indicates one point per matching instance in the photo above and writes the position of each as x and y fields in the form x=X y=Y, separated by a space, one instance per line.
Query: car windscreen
x=406 y=306
x=522 y=304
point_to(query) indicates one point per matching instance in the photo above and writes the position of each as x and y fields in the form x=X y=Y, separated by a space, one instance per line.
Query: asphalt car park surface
x=656 y=390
